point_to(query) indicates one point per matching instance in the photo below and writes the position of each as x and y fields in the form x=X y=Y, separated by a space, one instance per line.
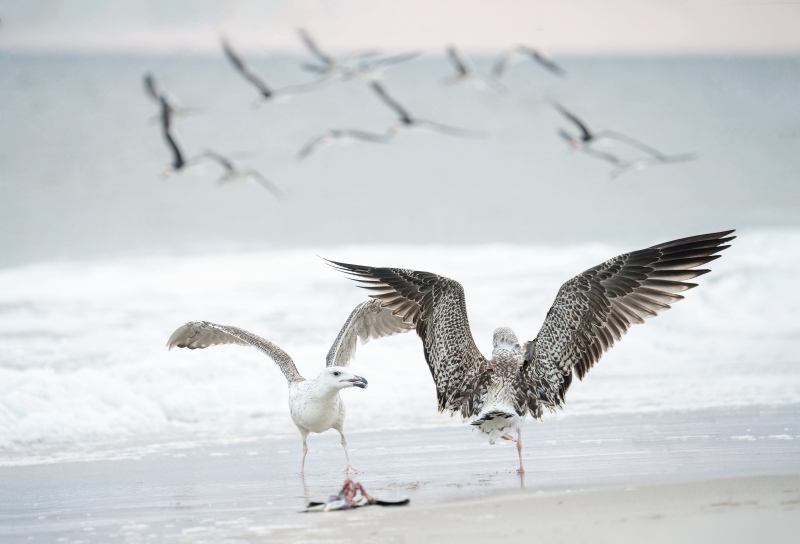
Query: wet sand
x=246 y=490
x=733 y=510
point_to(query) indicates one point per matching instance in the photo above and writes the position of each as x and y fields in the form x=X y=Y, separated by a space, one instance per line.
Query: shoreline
x=731 y=510
x=251 y=489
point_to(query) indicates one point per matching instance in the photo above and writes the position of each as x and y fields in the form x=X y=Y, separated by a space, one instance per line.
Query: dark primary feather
x=312 y=47
x=543 y=60
x=223 y=161
x=242 y=68
x=457 y=61
x=435 y=305
x=595 y=308
x=405 y=117
x=151 y=88
x=178 y=160
x=586 y=134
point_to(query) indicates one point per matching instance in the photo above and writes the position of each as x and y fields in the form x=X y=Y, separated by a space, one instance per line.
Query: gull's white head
x=338 y=377
x=504 y=338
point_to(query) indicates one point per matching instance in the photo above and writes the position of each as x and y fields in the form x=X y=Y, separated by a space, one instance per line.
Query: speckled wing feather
x=368 y=321
x=436 y=307
x=203 y=334
x=595 y=308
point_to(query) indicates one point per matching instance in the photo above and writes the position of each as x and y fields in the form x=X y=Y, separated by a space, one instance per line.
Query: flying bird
x=167 y=113
x=265 y=92
x=233 y=173
x=511 y=55
x=178 y=158
x=314 y=405
x=591 y=312
x=371 y=69
x=588 y=138
x=409 y=121
x=465 y=74
x=342 y=137
x=623 y=166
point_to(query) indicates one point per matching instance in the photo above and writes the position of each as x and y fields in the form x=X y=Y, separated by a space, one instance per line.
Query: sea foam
x=83 y=351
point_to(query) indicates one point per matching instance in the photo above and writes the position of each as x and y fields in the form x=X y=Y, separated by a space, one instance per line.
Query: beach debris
x=352 y=495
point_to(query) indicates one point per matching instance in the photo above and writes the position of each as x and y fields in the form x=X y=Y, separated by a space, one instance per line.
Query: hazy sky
x=561 y=26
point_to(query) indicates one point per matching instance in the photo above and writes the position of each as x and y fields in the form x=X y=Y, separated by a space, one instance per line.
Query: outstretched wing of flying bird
x=311 y=45
x=595 y=308
x=458 y=62
x=242 y=68
x=586 y=134
x=392 y=103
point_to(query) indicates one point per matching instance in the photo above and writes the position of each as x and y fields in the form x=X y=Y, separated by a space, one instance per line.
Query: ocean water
x=83 y=354
x=102 y=258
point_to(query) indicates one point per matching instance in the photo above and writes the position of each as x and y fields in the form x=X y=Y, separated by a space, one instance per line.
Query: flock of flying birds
x=368 y=66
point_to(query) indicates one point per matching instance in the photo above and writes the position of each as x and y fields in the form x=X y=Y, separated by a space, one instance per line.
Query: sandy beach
x=687 y=431
x=731 y=510
x=696 y=470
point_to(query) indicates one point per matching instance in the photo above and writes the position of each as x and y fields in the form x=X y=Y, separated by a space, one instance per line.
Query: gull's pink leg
x=349 y=469
x=519 y=451
x=305 y=452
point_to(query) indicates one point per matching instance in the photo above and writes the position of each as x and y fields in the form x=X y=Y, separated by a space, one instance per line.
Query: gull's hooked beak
x=357 y=381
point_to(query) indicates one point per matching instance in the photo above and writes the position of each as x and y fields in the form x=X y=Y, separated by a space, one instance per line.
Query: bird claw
x=351 y=470
x=508 y=437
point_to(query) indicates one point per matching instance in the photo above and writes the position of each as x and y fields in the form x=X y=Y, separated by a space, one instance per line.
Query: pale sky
x=603 y=27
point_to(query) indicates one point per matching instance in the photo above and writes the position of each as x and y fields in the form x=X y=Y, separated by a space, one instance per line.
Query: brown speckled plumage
x=590 y=313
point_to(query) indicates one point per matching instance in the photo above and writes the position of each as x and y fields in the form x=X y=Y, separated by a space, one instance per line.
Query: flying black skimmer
x=233 y=173
x=465 y=73
x=588 y=138
x=167 y=113
x=623 y=166
x=342 y=137
x=314 y=405
x=591 y=312
x=265 y=92
x=407 y=121
x=371 y=69
x=512 y=54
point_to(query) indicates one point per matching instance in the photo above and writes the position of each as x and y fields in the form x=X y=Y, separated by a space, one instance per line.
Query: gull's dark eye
x=336 y=373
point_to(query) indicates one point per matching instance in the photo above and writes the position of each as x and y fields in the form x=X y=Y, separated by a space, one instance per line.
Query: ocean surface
x=101 y=258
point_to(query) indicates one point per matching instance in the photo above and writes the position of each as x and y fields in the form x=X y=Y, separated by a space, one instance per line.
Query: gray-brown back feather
x=203 y=334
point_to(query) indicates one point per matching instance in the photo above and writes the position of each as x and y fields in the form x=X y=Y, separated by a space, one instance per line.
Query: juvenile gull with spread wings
x=315 y=405
x=590 y=313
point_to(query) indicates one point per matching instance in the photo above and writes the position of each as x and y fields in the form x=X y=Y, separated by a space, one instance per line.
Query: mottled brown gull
x=590 y=313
